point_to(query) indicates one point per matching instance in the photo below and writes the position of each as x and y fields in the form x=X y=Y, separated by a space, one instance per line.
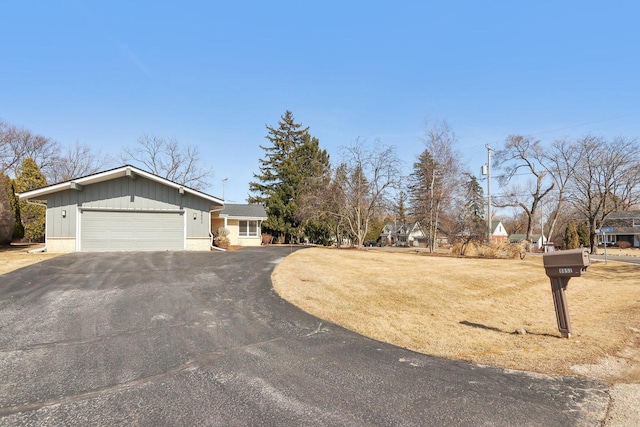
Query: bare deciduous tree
x=17 y=144
x=606 y=179
x=518 y=155
x=169 y=159
x=76 y=161
x=559 y=161
x=436 y=181
x=366 y=175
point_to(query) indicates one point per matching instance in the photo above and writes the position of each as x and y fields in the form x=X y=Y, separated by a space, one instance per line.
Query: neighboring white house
x=537 y=240
x=402 y=233
x=498 y=233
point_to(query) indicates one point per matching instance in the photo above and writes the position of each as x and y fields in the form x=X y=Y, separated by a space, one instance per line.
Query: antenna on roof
x=224 y=181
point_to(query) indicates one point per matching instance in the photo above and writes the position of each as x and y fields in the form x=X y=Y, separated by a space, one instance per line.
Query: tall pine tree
x=293 y=166
x=29 y=177
x=7 y=213
x=474 y=214
x=425 y=190
x=18 y=231
x=313 y=175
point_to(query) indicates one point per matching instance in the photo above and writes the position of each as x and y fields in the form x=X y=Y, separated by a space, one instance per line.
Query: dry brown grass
x=620 y=252
x=14 y=257
x=469 y=308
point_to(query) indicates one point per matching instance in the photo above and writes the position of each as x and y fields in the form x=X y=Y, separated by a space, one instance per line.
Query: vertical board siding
x=125 y=194
x=57 y=226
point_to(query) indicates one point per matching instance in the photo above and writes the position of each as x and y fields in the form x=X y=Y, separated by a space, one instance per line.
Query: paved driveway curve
x=176 y=338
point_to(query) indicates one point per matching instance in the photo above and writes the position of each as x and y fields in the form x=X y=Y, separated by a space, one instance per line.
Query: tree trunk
x=593 y=237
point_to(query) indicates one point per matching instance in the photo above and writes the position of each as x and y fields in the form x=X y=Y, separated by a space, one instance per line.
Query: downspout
x=43 y=249
x=211 y=232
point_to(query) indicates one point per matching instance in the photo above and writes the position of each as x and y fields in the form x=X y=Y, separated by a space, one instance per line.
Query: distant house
x=537 y=240
x=626 y=228
x=402 y=233
x=498 y=233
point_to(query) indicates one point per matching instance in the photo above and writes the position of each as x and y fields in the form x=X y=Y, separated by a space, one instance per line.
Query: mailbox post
x=560 y=267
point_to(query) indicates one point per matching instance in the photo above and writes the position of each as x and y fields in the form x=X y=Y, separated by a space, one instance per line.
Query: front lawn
x=469 y=309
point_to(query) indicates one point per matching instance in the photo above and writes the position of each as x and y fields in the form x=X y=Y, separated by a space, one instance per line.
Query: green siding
x=125 y=194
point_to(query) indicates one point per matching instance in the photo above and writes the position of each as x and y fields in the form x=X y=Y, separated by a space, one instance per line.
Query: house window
x=249 y=228
x=610 y=239
x=636 y=222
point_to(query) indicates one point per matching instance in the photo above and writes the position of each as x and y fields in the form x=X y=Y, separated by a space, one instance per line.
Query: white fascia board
x=44 y=191
x=205 y=196
x=245 y=218
x=92 y=179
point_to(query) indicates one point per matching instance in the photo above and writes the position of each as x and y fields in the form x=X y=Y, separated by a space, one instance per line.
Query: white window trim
x=248 y=233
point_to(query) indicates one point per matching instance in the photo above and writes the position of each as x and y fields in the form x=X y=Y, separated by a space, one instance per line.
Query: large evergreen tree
x=7 y=213
x=18 y=231
x=29 y=177
x=312 y=176
x=425 y=190
x=294 y=166
x=436 y=183
x=474 y=208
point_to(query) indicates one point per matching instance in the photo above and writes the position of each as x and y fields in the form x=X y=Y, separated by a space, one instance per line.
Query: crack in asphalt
x=69 y=343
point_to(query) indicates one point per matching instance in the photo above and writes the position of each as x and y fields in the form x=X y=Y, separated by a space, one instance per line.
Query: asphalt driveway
x=177 y=338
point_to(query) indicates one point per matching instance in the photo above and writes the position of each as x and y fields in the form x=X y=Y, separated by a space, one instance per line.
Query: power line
x=542 y=132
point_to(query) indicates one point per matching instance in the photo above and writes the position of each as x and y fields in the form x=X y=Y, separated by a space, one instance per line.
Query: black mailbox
x=569 y=263
x=560 y=267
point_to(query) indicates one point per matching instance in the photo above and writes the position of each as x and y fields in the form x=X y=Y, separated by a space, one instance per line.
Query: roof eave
x=113 y=174
x=248 y=218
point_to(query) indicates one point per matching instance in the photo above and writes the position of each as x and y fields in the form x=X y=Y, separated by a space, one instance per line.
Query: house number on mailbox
x=565 y=270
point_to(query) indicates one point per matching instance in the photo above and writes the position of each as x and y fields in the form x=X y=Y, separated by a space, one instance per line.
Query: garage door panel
x=131 y=231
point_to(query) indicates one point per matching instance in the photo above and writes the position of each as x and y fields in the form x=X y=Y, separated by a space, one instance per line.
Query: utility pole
x=431 y=227
x=224 y=181
x=489 y=150
x=542 y=238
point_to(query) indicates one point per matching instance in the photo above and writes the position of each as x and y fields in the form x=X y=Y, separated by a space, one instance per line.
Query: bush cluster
x=483 y=250
x=221 y=238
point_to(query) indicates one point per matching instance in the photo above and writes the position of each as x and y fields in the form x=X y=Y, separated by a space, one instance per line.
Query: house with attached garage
x=127 y=209
x=625 y=227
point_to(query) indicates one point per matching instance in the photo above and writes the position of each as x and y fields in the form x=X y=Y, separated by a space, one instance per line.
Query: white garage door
x=131 y=231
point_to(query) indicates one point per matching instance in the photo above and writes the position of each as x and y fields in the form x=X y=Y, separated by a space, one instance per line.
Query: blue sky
x=213 y=74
